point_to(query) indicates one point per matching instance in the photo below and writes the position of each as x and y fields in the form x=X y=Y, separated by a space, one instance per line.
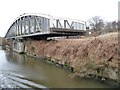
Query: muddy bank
x=88 y=56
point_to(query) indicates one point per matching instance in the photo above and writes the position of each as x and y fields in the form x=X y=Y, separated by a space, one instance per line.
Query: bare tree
x=118 y=25
x=114 y=24
x=96 y=23
x=108 y=25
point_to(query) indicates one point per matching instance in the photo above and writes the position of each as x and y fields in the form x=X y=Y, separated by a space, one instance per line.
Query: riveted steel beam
x=24 y=25
x=29 y=25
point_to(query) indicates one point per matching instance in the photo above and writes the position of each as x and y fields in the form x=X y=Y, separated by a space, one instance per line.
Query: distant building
x=119 y=10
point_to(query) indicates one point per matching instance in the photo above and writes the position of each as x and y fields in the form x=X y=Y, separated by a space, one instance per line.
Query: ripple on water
x=16 y=81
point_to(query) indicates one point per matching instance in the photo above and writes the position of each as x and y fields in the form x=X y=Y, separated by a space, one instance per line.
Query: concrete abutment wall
x=18 y=46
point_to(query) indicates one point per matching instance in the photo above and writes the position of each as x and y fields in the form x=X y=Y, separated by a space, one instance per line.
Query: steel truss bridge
x=39 y=26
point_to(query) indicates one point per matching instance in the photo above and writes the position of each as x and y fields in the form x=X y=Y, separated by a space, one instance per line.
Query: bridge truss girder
x=28 y=25
x=32 y=25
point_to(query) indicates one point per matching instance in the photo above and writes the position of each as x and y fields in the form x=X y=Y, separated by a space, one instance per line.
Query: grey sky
x=76 y=9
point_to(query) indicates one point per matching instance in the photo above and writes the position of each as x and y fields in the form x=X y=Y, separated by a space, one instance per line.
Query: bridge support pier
x=18 y=46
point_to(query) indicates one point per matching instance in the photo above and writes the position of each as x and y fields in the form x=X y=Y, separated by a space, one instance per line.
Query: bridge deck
x=53 y=32
x=66 y=32
x=59 y=32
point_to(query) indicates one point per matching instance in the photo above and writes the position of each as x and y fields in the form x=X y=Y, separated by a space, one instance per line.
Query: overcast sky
x=75 y=9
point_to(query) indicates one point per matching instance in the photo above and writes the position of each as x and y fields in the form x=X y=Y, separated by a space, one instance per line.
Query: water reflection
x=12 y=57
x=32 y=72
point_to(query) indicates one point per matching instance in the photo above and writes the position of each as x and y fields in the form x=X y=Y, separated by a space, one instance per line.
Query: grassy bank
x=88 y=56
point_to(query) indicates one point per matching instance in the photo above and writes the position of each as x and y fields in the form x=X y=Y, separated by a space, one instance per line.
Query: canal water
x=21 y=71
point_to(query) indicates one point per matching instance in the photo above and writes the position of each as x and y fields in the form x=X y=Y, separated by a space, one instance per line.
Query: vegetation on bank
x=88 y=56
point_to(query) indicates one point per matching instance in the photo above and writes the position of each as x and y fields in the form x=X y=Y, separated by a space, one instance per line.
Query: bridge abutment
x=18 y=46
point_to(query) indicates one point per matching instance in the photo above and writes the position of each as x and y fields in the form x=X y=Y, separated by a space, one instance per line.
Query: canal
x=21 y=71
